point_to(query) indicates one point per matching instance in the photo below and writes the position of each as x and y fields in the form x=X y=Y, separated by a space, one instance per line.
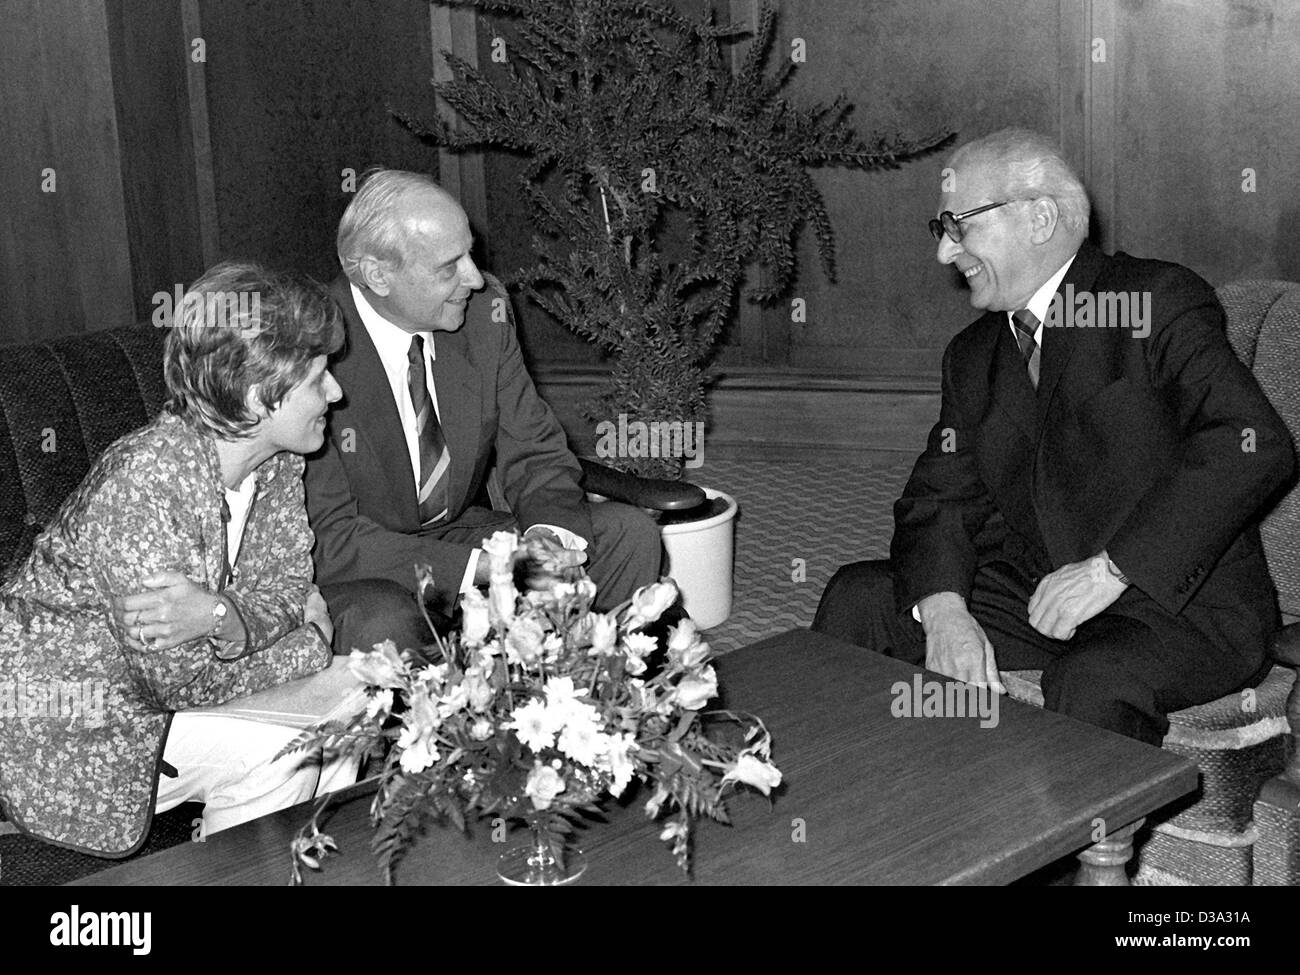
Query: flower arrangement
x=538 y=708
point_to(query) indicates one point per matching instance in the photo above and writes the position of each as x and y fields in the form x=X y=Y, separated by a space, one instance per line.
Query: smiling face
x=997 y=255
x=298 y=422
x=431 y=288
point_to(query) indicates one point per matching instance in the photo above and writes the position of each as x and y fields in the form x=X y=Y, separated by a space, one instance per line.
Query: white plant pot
x=700 y=562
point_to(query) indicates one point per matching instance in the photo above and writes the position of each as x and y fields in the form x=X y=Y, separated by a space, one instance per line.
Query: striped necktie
x=1026 y=324
x=435 y=459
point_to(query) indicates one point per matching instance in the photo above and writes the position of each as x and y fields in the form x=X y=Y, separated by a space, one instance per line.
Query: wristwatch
x=1113 y=569
x=218 y=616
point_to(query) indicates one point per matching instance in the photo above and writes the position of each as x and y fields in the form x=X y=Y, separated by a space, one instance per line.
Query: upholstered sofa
x=1243 y=826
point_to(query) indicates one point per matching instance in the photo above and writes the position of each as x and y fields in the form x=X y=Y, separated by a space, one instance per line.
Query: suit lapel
x=458 y=386
x=369 y=409
x=1061 y=342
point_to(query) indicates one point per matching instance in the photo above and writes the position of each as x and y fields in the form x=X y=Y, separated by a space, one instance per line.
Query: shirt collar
x=391 y=342
x=1041 y=300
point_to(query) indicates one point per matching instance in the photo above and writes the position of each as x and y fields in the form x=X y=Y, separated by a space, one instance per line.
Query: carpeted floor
x=798 y=523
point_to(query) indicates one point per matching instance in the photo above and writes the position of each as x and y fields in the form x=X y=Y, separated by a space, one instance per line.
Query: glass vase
x=541 y=859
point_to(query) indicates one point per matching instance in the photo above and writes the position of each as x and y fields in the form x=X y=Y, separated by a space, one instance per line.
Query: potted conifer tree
x=656 y=176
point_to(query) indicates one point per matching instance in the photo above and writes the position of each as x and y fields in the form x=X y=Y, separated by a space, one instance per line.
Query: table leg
x=1102 y=864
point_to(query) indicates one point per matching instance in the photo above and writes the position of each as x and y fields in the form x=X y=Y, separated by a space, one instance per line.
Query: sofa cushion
x=61 y=403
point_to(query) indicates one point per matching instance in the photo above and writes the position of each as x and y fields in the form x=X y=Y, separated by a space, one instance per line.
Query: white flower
x=481 y=730
x=585 y=590
x=682 y=635
x=674 y=830
x=381 y=667
x=422 y=712
x=617 y=761
x=649 y=602
x=604 y=633
x=551 y=646
x=634 y=665
x=381 y=703
x=418 y=756
x=655 y=802
x=475 y=623
x=453 y=701
x=477 y=688
x=694 y=655
x=763 y=776
x=583 y=741
x=534 y=724
x=500 y=550
x=696 y=690
x=638 y=644
x=524 y=641
x=560 y=691
x=543 y=785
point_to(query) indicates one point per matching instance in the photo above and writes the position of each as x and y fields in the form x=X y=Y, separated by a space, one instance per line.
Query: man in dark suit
x=436 y=392
x=1085 y=503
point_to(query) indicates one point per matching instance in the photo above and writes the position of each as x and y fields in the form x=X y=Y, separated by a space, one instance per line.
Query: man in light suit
x=435 y=393
x=1085 y=503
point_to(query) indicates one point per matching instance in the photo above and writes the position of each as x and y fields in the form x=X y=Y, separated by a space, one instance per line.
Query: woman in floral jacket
x=178 y=575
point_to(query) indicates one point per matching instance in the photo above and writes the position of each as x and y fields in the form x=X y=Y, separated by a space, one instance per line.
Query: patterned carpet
x=824 y=513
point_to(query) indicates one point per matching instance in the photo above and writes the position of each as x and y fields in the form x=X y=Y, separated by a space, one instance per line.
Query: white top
x=238 y=499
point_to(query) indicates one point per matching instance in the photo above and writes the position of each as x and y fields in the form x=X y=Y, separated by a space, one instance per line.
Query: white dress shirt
x=1040 y=302
x=393 y=343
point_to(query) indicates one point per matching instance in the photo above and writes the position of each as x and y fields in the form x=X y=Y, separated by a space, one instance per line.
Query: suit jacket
x=361 y=489
x=85 y=776
x=1157 y=449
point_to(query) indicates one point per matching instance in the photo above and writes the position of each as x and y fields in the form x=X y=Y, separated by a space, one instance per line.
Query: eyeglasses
x=950 y=223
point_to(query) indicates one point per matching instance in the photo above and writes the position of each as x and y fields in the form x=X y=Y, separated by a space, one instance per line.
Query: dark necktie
x=435 y=459
x=1026 y=324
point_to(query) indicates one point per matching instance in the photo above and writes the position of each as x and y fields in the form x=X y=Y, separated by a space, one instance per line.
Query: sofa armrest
x=644 y=492
x=1286 y=646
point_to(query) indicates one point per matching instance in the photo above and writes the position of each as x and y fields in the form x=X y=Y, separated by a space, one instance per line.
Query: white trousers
x=226 y=763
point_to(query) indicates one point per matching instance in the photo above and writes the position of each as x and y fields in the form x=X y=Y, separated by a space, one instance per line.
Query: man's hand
x=548 y=560
x=1072 y=595
x=315 y=611
x=170 y=611
x=955 y=643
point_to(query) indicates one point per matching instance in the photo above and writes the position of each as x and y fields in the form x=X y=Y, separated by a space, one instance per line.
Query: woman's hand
x=315 y=611
x=170 y=611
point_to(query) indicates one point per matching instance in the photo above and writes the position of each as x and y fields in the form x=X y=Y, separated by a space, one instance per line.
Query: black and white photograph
x=695 y=443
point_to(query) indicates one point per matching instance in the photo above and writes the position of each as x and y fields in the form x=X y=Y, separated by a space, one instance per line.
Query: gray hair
x=1031 y=166
x=240 y=325
x=372 y=224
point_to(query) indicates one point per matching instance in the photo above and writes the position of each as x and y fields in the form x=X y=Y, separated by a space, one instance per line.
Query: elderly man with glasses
x=1085 y=502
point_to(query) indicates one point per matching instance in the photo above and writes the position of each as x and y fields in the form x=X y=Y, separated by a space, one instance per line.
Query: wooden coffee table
x=868 y=798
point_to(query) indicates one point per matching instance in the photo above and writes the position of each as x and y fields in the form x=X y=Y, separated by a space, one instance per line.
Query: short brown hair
x=240 y=326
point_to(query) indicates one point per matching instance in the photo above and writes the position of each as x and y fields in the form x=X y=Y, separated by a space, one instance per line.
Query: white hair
x=1031 y=166
x=372 y=225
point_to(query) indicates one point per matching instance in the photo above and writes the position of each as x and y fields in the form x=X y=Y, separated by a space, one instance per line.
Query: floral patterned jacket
x=83 y=718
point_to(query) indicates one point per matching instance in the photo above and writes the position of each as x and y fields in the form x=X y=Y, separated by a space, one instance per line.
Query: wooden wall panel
x=164 y=199
x=1206 y=89
x=299 y=90
x=64 y=262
